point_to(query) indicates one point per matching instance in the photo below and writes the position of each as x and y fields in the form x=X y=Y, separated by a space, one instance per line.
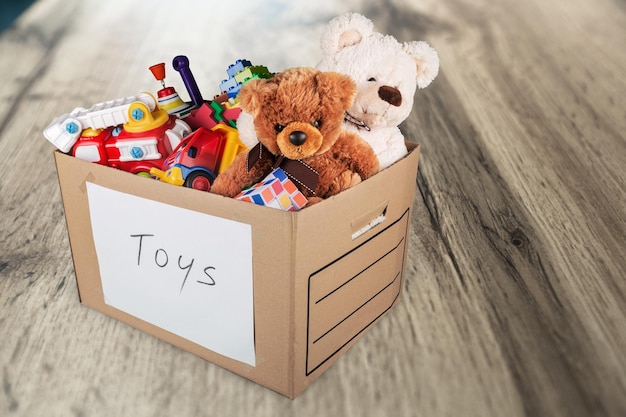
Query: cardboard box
x=298 y=291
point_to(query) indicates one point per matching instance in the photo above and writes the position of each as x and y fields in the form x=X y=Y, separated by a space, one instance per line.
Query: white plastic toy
x=64 y=131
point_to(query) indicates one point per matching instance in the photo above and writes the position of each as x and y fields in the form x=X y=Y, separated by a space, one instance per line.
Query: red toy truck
x=137 y=146
x=202 y=155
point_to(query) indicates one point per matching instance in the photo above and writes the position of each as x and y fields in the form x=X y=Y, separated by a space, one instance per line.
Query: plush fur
x=312 y=102
x=386 y=73
x=245 y=127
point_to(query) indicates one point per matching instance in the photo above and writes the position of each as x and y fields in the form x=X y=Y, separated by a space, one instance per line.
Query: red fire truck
x=131 y=134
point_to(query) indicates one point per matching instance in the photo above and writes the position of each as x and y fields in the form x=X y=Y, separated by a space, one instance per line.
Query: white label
x=187 y=272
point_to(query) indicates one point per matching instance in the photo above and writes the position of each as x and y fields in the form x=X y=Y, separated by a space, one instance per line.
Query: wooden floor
x=515 y=297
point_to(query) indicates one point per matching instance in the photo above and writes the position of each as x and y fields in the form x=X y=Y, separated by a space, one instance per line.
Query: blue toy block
x=238 y=66
x=228 y=84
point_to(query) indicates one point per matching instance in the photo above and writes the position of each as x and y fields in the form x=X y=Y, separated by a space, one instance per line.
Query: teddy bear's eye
x=317 y=123
x=371 y=79
x=279 y=128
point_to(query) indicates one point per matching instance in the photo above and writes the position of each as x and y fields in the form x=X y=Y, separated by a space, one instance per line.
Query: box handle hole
x=369 y=220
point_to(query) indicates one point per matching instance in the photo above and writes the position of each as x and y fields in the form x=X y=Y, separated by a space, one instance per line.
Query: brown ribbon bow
x=297 y=170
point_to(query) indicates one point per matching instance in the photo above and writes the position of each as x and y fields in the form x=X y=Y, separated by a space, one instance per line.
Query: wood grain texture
x=515 y=298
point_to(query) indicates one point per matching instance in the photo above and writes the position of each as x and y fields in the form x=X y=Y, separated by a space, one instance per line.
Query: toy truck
x=202 y=155
x=130 y=133
x=136 y=146
x=64 y=131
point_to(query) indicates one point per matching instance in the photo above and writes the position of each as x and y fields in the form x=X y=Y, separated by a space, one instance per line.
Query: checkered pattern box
x=276 y=191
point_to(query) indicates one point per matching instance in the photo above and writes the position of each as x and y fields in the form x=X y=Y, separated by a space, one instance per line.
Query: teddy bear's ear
x=253 y=94
x=337 y=87
x=345 y=30
x=426 y=59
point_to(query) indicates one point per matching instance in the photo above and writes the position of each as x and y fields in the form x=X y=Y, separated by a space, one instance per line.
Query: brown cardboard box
x=320 y=277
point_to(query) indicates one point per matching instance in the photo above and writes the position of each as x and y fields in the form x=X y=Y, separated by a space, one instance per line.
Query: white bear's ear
x=345 y=30
x=426 y=59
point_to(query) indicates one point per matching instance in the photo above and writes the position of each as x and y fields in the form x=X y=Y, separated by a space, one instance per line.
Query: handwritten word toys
x=276 y=191
x=161 y=259
x=200 y=157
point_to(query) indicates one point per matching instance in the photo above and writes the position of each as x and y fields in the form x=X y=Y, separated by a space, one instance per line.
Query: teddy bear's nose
x=390 y=94
x=297 y=137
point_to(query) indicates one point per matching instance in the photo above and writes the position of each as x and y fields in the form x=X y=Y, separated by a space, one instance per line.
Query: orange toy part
x=158 y=70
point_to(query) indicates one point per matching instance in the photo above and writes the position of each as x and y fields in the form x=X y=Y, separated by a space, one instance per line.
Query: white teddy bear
x=386 y=73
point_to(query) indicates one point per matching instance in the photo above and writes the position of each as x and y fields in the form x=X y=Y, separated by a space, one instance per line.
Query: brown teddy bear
x=298 y=117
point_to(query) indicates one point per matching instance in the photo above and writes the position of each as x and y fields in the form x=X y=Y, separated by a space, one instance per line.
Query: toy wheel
x=199 y=181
